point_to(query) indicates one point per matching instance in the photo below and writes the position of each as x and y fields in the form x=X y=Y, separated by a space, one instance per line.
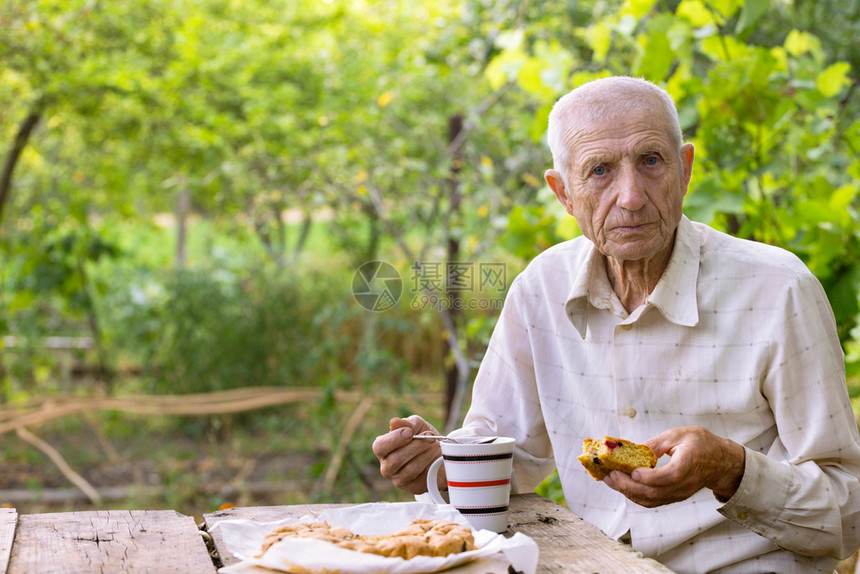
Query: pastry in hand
x=600 y=457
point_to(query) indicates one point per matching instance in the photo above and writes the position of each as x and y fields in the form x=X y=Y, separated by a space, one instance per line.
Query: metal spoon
x=458 y=439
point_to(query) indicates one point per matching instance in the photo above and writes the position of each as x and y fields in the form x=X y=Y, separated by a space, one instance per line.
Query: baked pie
x=422 y=537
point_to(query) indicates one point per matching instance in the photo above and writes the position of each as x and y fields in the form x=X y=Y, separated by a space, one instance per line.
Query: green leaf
x=724 y=48
x=529 y=231
x=657 y=58
x=638 y=8
x=696 y=12
x=504 y=67
x=751 y=12
x=833 y=79
x=567 y=228
x=598 y=37
x=710 y=198
x=842 y=198
x=798 y=43
x=537 y=128
x=726 y=8
x=841 y=291
x=531 y=81
x=556 y=65
x=854 y=170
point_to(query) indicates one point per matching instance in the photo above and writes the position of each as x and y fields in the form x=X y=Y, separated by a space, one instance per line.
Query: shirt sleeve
x=505 y=400
x=804 y=493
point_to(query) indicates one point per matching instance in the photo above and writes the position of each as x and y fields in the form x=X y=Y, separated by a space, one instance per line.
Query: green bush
x=551 y=488
x=210 y=329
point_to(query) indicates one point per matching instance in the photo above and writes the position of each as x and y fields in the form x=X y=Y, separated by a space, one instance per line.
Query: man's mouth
x=631 y=227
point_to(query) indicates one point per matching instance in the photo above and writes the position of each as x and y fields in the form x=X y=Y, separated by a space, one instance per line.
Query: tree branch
x=463 y=370
x=25 y=130
x=61 y=463
x=340 y=450
x=478 y=111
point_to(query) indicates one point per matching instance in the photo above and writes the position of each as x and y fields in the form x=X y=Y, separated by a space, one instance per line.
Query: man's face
x=624 y=183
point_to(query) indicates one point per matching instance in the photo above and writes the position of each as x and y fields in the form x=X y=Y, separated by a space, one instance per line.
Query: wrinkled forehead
x=632 y=128
x=610 y=105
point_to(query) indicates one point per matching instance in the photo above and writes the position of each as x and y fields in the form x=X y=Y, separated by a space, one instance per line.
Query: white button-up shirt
x=737 y=337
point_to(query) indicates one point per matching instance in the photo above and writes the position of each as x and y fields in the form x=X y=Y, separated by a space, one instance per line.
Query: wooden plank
x=135 y=541
x=570 y=544
x=8 y=521
x=567 y=543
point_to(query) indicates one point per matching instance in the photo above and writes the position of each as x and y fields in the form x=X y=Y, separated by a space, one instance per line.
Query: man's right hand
x=404 y=461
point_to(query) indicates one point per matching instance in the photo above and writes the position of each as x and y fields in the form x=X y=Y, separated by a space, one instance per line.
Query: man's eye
x=651 y=160
x=599 y=170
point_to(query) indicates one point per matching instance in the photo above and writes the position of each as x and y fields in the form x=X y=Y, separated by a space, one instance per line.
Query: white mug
x=479 y=481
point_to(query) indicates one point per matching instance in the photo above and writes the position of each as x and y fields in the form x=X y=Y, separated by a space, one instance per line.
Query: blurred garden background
x=190 y=187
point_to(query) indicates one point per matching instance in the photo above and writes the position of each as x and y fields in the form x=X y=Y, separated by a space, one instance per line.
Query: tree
x=418 y=125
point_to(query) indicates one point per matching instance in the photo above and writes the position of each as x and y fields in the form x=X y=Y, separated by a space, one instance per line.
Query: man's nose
x=631 y=189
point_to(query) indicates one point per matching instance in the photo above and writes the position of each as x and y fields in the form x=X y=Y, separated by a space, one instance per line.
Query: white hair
x=605 y=99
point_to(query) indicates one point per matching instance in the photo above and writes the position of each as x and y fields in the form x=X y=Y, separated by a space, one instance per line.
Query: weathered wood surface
x=570 y=544
x=567 y=543
x=137 y=541
x=8 y=521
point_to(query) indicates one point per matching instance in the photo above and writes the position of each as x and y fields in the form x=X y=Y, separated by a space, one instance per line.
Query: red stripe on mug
x=477 y=484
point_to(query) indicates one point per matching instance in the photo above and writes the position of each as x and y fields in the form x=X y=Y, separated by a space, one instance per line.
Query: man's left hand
x=700 y=459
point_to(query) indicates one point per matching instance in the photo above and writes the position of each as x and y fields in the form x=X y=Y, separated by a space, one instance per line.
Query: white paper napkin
x=244 y=539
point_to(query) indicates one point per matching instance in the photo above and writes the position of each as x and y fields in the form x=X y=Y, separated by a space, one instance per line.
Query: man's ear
x=687 y=154
x=556 y=183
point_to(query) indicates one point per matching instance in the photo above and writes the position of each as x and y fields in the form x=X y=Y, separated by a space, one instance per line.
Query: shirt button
x=742 y=515
x=630 y=413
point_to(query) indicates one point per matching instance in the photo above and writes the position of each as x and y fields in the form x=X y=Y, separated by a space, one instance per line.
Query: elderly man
x=718 y=352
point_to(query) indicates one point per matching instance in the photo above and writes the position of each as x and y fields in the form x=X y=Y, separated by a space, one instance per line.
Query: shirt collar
x=674 y=296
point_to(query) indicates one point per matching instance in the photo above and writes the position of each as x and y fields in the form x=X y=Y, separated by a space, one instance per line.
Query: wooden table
x=120 y=541
x=166 y=541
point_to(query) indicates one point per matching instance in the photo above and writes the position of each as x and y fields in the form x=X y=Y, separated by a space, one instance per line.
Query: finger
x=418 y=485
x=617 y=480
x=667 y=475
x=417 y=466
x=385 y=444
x=664 y=442
x=659 y=448
x=398 y=423
x=421 y=426
x=623 y=483
x=641 y=494
x=411 y=474
x=414 y=422
x=397 y=460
